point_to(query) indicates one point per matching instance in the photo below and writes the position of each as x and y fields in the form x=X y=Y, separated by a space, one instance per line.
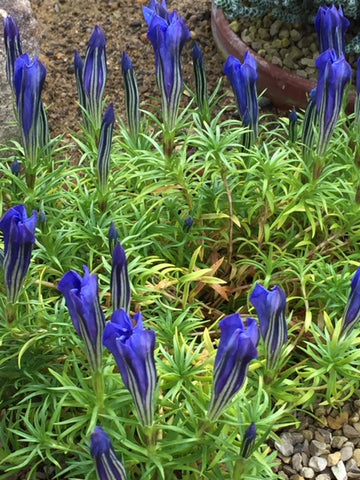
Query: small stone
x=333 y=459
x=323 y=476
x=353 y=476
x=318 y=448
x=354 y=418
x=296 y=477
x=283 y=475
x=339 y=471
x=284 y=33
x=349 y=431
x=323 y=435
x=308 y=435
x=351 y=466
x=275 y=28
x=295 y=35
x=357 y=427
x=338 y=441
x=356 y=456
x=346 y=453
x=337 y=422
x=297 y=462
x=318 y=464
x=307 y=472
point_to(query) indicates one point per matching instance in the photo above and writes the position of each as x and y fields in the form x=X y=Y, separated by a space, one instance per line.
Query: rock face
x=22 y=13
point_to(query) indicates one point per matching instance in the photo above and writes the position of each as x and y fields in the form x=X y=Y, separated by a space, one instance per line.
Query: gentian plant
x=243 y=78
x=238 y=346
x=13 y=47
x=132 y=98
x=91 y=76
x=270 y=306
x=351 y=315
x=29 y=78
x=108 y=466
x=120 y=283
x=331 y=26
x=19 y=237
x=133 y=349
x=82 y=299
x=168 y=34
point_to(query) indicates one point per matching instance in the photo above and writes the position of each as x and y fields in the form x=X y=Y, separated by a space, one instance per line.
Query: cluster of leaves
x=199 y=228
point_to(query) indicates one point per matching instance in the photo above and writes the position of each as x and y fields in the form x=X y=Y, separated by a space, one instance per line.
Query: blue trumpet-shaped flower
x=104 y=149
x=13 y=47
x=248 y=443
x=108 y=466
x=133 y=349
x=91 y=77
x=202 y=97
x=120 y=283
x=331 y=26
x=19 y=237
x=168 y=35
x=351 y=315
x=113 y=235
x=334 y=74
x=82 y=300
x=243 y=78
x=29 y=78
x=237 y=347
x=132 y=99
x=270 y=306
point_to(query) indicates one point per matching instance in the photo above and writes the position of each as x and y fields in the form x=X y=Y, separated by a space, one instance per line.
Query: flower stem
x=98 y=385
x=11 y=312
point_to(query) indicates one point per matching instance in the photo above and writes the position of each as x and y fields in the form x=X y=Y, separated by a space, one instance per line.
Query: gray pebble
x=318 y=448
x=349 y=431
x=318 y=464
x=339 y=471
x=338 y=441
x=323 y=476
x=297 y=462
x=346 y=453
x=307 y=472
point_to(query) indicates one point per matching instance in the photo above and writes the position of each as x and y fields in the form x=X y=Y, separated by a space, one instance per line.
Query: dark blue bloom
x=201 y=82
x=132 y=99
x=104 y=149
x=79 y=72
x=29 y=78
x=133 y=349
x=108 y=466
x=120 y=283
x=95 y=75
x=113 y=236
x=270 y=306
x=331 y=26
x=351 y=315
x=168 y=34
x=15 y=167
x=243 y=78
x=13 y=47
x=82 y=300
x=248 y=442
x=236 y=349
x=293 y=120
x=19 y=238
x=334 y=74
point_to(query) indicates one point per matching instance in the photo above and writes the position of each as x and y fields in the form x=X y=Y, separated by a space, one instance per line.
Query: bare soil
x=66 y=25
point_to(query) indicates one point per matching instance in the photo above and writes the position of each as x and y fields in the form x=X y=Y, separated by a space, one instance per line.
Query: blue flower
x=248 y=443
x=120 y=283
x=133 y=349
x=82 y=300
x=108 y=466
x=132 y=99
x=237 y=348
x=168 y=35
x=19 y=238
x=334 y=74
x=351 y=315
x=270 y=306
x=29 y=78
x=94 y=75
x=104 y=149
x=331 y=26
x=13 y=46
x=201 y=82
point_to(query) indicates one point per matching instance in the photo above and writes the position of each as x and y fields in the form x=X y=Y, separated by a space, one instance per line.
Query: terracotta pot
x=283 y=88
